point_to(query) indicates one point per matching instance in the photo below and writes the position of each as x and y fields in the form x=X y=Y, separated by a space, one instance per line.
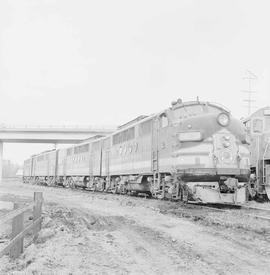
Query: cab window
x=257 y=125
x=145 y=128
x=267 y=123
x=164 y=122
x=247 y=124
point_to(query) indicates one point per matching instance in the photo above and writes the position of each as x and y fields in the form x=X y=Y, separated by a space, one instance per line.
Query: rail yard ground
x=96 y=233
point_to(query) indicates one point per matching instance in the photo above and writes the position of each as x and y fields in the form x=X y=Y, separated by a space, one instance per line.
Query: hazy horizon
x=107 y=62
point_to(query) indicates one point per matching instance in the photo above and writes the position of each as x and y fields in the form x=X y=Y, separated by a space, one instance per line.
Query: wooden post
x=37 y=212
x=17 y=227
x=15 y=246
x=1 y=159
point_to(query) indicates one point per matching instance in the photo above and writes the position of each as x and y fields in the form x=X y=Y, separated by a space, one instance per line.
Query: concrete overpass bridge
x=47 y=134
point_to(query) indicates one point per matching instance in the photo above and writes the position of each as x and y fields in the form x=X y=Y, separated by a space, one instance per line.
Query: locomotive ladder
x=155 y=155
x=263 y=164
x=108 y=176
x=90 y=182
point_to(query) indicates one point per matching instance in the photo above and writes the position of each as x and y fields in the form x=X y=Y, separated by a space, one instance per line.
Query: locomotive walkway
x=47 y=134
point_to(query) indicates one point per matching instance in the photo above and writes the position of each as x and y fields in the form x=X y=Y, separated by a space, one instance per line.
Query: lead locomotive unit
x=190 y=151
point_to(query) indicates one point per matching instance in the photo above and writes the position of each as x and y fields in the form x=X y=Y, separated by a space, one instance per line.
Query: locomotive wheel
x=70 y=183
x=155 y=193
x=102 y=189
x=51 y=181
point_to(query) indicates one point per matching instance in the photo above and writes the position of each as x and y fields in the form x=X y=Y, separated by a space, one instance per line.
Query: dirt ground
x=95 y=233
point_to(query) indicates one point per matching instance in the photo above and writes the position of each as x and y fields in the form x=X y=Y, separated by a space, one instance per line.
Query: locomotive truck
x=191 y=151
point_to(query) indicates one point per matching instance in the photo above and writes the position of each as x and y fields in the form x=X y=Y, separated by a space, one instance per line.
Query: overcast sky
x=106 y=62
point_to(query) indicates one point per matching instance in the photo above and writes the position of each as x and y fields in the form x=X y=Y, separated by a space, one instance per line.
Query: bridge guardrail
x=83 y=127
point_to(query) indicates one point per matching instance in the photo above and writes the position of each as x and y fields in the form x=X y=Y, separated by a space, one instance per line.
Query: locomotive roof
x=259 y=112
x=90 y=139
x=137 y=119
x=44 y=152
x=175 y=105
x=179 y=104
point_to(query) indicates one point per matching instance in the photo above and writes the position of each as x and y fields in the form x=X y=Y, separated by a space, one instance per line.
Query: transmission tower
x=250 y=76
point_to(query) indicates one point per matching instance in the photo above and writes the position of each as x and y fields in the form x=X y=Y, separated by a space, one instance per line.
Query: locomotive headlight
x=190 y=136
x=223 y=119
x=226 y=144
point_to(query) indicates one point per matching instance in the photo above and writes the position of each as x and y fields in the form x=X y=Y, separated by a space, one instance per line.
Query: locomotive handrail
x=206 y=102
x=219 y=105
x=265 y=151
x=258 y=158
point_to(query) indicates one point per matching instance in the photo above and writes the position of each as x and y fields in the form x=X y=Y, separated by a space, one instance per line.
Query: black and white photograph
x=134 y=137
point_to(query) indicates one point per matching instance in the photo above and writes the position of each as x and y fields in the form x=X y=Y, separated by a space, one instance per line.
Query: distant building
x=19 y=173
x=9 y=169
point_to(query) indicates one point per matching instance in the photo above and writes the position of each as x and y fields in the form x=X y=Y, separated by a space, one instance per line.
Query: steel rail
x=191 y=203
x=256 y=208
x=242 y=206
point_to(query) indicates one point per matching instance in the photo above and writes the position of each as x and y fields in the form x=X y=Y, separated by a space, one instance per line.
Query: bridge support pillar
x=1 y=160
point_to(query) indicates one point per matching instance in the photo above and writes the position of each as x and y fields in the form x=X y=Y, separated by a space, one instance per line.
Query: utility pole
x=250 y=76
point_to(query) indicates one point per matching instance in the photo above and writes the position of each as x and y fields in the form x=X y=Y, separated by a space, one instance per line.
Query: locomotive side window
x=116 y=139
x=164 y=122
x=266 y=112
x=131 y=133
x=247 y=124
x=40 y=158
x=81 y=149
x=124 y=136
x=267 y=123
x=257 y=124
x=107 y=143
x=267 y=119
x=145 y=128
x=69 y=151
x=96 y=146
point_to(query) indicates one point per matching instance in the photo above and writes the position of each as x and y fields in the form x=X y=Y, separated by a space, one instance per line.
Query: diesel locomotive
x=258 y=127
x=191 y=151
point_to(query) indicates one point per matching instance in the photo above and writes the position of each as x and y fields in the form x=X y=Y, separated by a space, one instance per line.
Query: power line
x=250 y=76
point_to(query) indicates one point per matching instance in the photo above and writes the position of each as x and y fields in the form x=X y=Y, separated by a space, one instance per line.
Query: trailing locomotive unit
x=258 y=126
x=192 y=150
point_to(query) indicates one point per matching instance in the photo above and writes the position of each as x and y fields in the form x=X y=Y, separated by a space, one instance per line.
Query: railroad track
x=265 y=215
